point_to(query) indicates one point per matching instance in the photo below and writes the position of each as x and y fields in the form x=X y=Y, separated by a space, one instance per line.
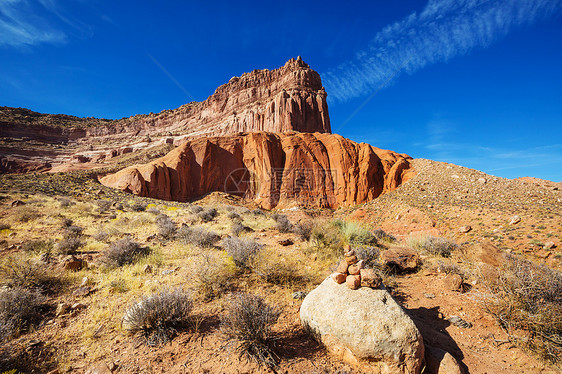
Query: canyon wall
x=273 y=169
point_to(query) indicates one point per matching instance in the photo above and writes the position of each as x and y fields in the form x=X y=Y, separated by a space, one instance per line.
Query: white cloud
x=27 y=23
x=443 y=30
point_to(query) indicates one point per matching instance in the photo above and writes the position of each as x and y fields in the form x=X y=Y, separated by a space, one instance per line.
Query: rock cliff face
x=273 y=169
x=290 y=98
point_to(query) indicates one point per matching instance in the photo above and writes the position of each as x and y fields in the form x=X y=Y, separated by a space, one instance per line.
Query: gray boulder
x=364 y=327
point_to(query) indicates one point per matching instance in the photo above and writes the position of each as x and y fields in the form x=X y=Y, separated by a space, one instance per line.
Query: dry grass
x=214 y=275
x=19 y=310
x=242 y=250
x=526 y=300
x=433 y=245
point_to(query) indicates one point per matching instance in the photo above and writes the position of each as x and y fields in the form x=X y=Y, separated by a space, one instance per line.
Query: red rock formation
x=276 y=170
x=290 y=98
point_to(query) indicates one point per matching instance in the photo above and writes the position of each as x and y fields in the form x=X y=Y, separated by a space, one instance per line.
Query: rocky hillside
x=290 y=98
x=275 y=170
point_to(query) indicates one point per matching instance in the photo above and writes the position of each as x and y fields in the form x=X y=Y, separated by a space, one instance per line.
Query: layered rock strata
x=275 y=170
x=290 y=98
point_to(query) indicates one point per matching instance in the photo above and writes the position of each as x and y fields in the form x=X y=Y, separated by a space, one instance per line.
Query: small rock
x=342 y=267
x=401 y=259
x=167 y=272
x=299 y=295
x=82 y=291
x=351 y=259
x=84 y=281
x=339 y=278
x=353 y=282
x=459 y=322
x=99 y=368
x=452 y=282
x=465 y=229
x=549 y=245
x=285 y=242
x=515 y=220
x=355 y=268
x=74 y=264
x=482 y=180
x=369 y=278
x=147 y=269
x=62 y=308
x=429 y=295
x=17 y=203
x=77 y=306
x=348 y=251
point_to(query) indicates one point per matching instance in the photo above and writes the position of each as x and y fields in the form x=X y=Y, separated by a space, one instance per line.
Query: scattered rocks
x=549 y=245
x=351 y=272
x=82 y=291
x=16 y=203
x=459 y=322
x=285 y=242
x=401 y=259
x=99 y=368
x=62 y=308
x=453 y=282
x=368 y=327
x=465 y=229
x=74 y=264
x=515 y=220
x=147 y=269
x=369 y=278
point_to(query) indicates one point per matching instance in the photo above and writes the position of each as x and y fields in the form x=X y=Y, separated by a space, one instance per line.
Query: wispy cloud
x=444 y=29
x=19 y=25
x=31 y=22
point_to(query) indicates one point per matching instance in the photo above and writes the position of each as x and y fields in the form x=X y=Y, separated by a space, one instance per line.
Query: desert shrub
x=449 y=268
x=66 y=222
x=238 y=228
x=124 y=252
x=138 y=207
x=234 y=216
x=38 y=246
x=282 y=223
x=326 y=241
x=73 y=230
x=153 y=210
x=197 y=236
x=24 y=214
x=166 y=227
x=159 y=316
x=381 y=235
x=195 y=209
x=213 y=276
x=258 y=212
x=19 y=310
x=278 y=270
x=118 y=286
x=5 y=226
x=103 y=205
x=65 y=202
x=18 y=272
x=248 y=324
x=369 y=255
x=303 y=229
x=433 y=245
x=69 y=244
x=101 y=236
x=355 y=233
x=207 y=215
x=526 y=301
x=242 y=250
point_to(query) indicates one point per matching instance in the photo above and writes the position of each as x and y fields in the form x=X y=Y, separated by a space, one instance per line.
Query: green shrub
x=39 y=246
x=282 y=223
x=248 y=324
x=159 y=316
x=355 y=234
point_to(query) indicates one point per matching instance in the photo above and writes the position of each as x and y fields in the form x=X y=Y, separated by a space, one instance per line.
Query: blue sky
x=472 y=82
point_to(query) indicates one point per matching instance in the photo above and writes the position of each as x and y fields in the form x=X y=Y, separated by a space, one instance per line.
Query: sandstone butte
x=273 y=169
x=290 y=98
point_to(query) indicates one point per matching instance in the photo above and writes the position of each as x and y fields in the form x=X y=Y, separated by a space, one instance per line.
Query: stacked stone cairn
x=352 y=272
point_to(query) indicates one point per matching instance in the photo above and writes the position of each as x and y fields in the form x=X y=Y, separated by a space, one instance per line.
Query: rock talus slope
x=276 y=170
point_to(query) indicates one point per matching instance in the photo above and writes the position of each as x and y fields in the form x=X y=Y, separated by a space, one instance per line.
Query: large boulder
x=363 y=327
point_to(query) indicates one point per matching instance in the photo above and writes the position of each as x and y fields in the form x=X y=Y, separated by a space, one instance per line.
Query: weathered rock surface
x=290 y=98
x=401 y=259
x=309 y=169
x=364 y=326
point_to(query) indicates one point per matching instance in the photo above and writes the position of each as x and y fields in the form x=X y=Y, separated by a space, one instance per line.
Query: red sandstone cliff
x=290 y=98
x=276 y=170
